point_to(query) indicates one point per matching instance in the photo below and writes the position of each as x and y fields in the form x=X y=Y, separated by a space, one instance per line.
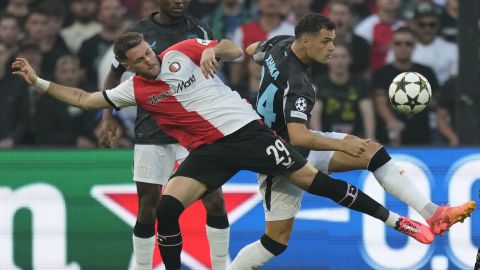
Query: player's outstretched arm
x=73 y=96
x=303 y=137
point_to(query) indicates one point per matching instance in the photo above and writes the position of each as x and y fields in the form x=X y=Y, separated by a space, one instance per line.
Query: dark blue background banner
x=327 y=236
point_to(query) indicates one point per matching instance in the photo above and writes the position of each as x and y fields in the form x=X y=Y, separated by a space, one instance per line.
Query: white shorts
x=155 y=164
x=281 y=199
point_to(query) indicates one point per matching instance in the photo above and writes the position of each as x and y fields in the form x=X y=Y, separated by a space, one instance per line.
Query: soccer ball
x=410 y=92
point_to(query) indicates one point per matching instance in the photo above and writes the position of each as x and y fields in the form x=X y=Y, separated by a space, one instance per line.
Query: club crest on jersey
x=174 y=67
x=301 y=104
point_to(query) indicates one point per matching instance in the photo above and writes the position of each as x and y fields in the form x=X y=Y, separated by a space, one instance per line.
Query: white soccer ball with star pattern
x=410 y=92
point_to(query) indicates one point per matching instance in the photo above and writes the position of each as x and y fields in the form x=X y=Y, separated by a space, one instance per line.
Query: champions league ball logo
x=301 y=104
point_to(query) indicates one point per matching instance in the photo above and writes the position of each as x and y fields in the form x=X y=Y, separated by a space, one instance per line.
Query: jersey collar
x=294 y=56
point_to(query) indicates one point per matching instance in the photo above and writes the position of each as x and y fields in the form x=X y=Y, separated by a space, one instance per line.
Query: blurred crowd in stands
x=70 y=41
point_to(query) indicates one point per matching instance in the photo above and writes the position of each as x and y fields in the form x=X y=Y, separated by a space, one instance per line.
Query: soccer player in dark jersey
x=213 y=122
x=285 y=100
x=155 y=152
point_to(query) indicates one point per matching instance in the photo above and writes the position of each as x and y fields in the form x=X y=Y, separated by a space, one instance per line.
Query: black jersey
x=160 y=37
x=286 y=93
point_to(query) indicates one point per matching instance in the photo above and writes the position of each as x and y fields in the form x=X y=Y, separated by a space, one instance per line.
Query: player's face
x=172 y=8
x=403 y=45
x=143 y=61
x=320 y=46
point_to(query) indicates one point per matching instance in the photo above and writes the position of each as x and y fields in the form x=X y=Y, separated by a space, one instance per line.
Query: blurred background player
x=155 y=152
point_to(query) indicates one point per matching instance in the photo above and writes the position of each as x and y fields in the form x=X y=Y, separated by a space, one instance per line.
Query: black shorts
x=254 y=147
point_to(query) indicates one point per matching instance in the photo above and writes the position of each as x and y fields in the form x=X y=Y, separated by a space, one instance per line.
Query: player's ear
x=305 y=38
x=125 y=65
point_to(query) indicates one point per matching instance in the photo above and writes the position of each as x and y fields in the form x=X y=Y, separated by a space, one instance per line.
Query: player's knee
x=214 y=204
x=378 y=159
x=272 y=246
x=146 y=208
x=169 y=210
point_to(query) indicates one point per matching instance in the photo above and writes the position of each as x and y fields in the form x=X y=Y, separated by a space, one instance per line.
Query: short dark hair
x=313 y=23
x=124 y=43
x=404 y=30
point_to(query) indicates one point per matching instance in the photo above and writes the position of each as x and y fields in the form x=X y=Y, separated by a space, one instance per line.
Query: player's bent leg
x=388 y=173
x=396 y=181
x=180 y=192
x=143 y=237
x=351 y=197
x=153 y=165
x=218 y=229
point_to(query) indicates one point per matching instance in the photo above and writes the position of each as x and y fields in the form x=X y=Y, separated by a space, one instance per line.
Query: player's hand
x=208 y=63
x=108 y=132
x=355 y=147
x=23 y=69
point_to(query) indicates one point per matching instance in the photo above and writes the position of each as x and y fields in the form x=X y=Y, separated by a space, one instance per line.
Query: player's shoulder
x=196 y=24
x=195 y=21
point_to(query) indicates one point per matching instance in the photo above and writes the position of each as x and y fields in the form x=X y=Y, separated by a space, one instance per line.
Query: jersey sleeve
x=263 y=48
x=192 y=48
x=297 y=105
x=121 y=96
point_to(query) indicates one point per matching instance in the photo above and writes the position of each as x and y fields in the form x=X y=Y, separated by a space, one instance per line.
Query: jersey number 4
x=265 y=105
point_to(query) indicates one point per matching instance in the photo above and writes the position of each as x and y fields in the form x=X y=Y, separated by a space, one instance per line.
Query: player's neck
x=163 y=18
x=402 y=64
x=301 y=53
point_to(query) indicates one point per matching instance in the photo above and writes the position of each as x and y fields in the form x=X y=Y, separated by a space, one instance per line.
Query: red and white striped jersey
x=188 y=107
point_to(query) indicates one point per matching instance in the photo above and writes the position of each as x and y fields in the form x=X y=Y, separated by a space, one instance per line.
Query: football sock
x=169 y=237
x=347 y=195
x=143 y=239
x=218 y=234
x=396 y=181
x=392 y=219
x=257 y=254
